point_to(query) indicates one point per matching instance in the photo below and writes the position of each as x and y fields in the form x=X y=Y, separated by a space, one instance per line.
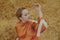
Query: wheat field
x=50 y=9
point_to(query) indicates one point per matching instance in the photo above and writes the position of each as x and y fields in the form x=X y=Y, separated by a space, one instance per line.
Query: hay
x=50 y=9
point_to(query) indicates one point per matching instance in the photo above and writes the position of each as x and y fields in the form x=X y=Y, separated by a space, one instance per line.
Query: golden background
x=50 y=9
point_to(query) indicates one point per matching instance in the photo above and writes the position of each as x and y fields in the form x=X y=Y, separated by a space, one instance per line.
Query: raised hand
x=37 y=6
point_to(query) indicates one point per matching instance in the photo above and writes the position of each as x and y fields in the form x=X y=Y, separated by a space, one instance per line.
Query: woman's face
x=25 y=15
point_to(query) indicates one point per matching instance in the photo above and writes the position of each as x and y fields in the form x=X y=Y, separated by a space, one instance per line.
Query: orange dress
x=28 y=30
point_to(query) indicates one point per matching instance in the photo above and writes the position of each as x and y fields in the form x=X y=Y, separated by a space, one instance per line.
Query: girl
x=27 y=29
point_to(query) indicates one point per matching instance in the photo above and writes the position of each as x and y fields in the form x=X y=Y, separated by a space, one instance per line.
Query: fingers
x=37 y=4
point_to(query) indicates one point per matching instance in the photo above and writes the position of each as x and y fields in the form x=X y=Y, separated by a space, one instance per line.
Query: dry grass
x=50 y=9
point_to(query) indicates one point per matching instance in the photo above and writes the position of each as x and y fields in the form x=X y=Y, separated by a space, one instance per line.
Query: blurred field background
x=50 y=9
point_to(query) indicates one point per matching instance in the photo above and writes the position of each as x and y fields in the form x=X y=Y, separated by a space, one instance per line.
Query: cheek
x=25 y=17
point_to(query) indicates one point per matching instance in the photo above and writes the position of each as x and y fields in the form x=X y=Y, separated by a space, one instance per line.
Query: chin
x=27 y=20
